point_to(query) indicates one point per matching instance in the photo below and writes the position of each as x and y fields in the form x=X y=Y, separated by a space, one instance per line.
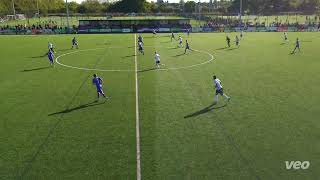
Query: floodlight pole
x=240 y=10
x=38 y=7
x=38 y=10
x=67 y=7
x=14 y=9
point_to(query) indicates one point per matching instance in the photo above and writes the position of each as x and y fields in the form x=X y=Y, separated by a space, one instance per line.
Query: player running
x=141 y=50
x=241 y=34
x=228 y=41
x=172 y=36
x=219 y=90
x=51 y=58
x=74 y=43
x=237 y=41
x=51 y=47
x=180 y=41
x=157 y=59
x=285 y=37
x=97 y=81
x=154 y=32
x=140 y=39
x=297 y=46
x=187 y=47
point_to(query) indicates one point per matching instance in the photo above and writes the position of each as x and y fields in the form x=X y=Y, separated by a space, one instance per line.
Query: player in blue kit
x=285 y=37
x=140 y=39
x=97 y=81
x=237 y=41
x=51 y=58
x=187 y=47
x=141 y=50
x=297 y=46
x=228 y=41
x=172 y=36
x=74 y=43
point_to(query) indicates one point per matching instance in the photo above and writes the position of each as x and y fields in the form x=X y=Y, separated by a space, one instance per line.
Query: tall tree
x=190 y=6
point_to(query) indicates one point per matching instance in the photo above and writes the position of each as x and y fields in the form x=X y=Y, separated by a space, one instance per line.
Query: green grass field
x=52 y=128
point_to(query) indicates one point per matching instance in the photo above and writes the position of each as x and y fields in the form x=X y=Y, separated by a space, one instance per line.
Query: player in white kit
x=180 y=41
x=219 y=90
x=157 y=59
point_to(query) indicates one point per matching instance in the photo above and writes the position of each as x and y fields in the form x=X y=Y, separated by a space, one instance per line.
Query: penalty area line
x=137 y=111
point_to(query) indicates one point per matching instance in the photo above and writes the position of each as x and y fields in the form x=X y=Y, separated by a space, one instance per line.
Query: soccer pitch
x=52 y=128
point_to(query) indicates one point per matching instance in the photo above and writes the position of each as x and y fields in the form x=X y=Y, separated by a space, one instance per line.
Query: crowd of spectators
x=233 y=23
x=24 y=28
x=99 y=25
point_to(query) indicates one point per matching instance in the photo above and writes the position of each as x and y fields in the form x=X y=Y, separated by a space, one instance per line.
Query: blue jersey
x=187 y=46
x=97 y=81
x=74 y=41
x=50 y=56
x=140 y=46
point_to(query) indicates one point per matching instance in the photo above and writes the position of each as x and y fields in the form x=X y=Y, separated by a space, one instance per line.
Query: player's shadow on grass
x=41 y=56
x=179 y=55
x=164 y=42
x=63 y=50
x=173 y=48
x=94 y=103
x=205 y=110
x=222 y=48
x=129 y=56
x=146 y=70
x=231 y=49
x=35 y=69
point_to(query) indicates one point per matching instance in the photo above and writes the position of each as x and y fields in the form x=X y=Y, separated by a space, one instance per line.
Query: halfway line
x=137 y=110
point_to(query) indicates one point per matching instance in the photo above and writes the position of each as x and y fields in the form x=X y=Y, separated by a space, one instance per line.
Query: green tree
x=73 y=7
x=129 y=6
x=92 y=6
x=190 y=6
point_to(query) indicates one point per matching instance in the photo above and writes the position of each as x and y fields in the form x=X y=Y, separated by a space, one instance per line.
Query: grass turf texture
x=52 y=129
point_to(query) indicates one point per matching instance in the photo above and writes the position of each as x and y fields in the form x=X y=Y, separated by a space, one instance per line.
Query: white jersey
x=50 y=46
x=217 y=83
x=180 y=40
x=157 y=57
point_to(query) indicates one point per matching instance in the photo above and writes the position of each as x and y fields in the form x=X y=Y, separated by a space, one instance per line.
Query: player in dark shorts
x=172 y=36
x=74 y=43
x=51 y=58
x=219 y=90
x=141 y=50
x=140 y=39
x=297 y=46
x=97 y=81
x=187 y=47
x=154 y=32
x=237 y=41
x=228 y=41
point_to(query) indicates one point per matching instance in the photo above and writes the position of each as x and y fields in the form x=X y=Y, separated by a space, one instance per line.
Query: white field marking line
x=120 y=70
x=137 y=111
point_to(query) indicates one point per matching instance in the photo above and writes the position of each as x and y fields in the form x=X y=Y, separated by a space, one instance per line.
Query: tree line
x=31 y=7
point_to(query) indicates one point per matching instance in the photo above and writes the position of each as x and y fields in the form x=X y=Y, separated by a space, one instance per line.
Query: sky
x=79 y=1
